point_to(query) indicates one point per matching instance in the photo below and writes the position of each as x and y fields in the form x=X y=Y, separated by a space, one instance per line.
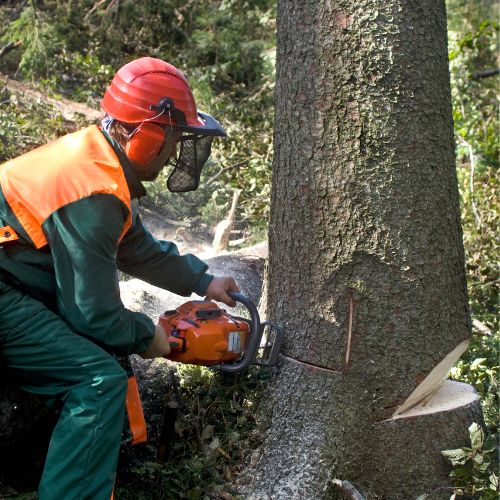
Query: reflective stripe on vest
x=73 y=167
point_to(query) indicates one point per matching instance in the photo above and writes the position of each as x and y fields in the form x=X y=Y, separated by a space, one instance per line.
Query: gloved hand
x=160 y=346
x=218 y=288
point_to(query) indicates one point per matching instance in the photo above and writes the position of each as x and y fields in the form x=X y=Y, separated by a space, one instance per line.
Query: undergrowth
x=214 y=429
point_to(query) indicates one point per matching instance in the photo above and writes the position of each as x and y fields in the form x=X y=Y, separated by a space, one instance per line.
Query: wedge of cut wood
x=432 y=383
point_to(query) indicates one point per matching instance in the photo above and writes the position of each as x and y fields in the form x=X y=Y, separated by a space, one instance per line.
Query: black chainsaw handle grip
x=254 y=338
x=177 y=344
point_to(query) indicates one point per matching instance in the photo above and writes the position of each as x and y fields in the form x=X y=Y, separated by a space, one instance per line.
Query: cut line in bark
x=312 y=365
x=349 y=333
x=449 y=396
x=433 y=381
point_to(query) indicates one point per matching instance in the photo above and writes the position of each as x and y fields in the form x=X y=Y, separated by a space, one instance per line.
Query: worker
x=67 y=225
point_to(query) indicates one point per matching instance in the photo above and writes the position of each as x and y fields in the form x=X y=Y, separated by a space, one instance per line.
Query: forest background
x=71 y=49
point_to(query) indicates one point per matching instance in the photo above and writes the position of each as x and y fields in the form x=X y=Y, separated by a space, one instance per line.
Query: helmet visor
x=194 y=151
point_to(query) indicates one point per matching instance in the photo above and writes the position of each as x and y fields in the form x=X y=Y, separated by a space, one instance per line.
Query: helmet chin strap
x=145 y=121
x=107 y=122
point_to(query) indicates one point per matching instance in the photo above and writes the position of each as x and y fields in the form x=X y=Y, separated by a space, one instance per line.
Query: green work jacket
x=76 y=274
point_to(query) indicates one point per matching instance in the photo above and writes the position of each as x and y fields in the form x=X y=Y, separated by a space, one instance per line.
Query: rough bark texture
x=321 y=430
x=366 y=265
x=413 y=445
x=365 y=192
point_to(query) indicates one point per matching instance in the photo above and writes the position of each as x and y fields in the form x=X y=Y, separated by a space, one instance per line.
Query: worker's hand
x=218 y=288
x=160 y=346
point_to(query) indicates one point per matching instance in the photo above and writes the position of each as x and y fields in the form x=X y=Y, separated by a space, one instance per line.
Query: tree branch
x=472 y=161
x=486 y=73
x=481 y=328
x=111 y=5
x=218 y=174
x=10 y=46
x=93 y=9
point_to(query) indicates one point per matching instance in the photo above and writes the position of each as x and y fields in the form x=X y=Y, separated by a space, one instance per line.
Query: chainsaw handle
x=177 y=344
x=254 y=338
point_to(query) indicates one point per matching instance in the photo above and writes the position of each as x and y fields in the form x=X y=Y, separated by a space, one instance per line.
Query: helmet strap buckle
x=166 y=105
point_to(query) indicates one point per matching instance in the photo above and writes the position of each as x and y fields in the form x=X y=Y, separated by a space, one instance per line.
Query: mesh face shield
x=194 y=151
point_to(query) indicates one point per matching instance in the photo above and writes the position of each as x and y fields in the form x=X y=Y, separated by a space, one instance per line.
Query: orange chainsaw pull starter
x=201 y=333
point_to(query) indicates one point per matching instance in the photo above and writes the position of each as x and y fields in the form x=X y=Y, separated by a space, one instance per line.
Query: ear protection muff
x=145 y=143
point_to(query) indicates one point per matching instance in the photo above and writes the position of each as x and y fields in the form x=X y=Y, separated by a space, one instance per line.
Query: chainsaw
x=201 y=333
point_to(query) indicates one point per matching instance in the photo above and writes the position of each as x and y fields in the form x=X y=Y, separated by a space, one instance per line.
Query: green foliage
x=225 y=48
x=475 y=99
x=473 y=41
x=473 y=47
x=215 y=427
x=25 y=125
x=475 y=467
x=39 y=40
x=480 y=208
x=479 y=367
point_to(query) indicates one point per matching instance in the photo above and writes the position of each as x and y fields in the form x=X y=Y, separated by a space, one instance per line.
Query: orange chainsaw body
x=201 y=333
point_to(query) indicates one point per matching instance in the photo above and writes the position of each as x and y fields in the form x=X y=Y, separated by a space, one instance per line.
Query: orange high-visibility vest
x=40 y=182
x=73 y=167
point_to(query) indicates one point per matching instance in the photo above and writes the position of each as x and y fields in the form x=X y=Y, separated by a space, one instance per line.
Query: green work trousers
x=47 y=357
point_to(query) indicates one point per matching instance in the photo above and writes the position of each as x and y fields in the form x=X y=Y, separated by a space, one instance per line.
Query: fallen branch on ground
x=486 y=73
x=225 y=169
x=10 y=46
x=481 y=328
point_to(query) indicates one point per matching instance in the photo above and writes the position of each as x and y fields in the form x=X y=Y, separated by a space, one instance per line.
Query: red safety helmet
x=149 y=89
x=152 y=94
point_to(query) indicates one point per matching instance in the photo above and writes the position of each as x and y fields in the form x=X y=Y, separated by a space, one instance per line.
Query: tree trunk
x=366 y=264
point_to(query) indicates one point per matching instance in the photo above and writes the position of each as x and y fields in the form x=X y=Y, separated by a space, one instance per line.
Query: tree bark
x=366 y=263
